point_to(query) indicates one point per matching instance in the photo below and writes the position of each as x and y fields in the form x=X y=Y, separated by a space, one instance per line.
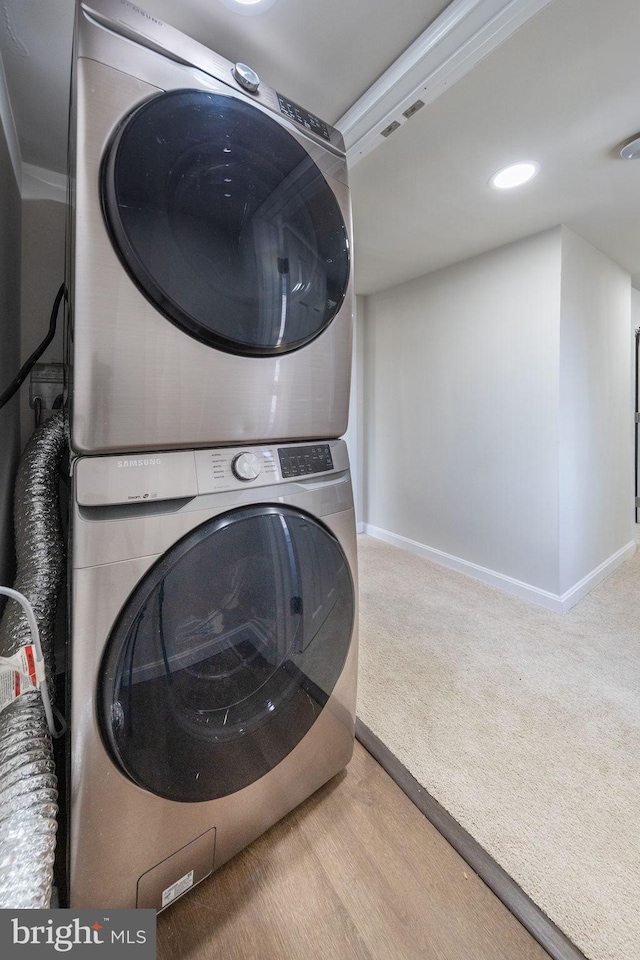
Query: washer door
x=226 y=652
x=225 y=223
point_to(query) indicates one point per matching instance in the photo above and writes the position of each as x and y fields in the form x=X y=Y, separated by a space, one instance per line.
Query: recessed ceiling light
x=248 y=7
x=514 y=175
x=631 y=150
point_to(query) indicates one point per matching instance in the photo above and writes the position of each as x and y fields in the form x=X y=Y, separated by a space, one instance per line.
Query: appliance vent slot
x=390 y=129
x=409 y=112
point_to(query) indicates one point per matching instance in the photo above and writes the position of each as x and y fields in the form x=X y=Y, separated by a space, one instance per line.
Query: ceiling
x=563 y=90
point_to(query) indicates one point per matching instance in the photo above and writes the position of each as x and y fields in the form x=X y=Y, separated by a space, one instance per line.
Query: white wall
x=461 y=399
x=635 y=325
x=497 y=398
x=354 y=434
x=596 y=453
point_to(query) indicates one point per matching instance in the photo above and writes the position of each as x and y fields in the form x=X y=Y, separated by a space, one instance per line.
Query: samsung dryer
x=213 y=654
x=210 y=252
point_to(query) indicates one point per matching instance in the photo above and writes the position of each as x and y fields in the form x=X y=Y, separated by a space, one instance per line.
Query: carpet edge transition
x=528 y=913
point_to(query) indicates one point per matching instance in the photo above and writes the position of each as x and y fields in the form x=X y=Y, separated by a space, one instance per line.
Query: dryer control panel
x=128 y=20
x=303 y=118
x=174 y=475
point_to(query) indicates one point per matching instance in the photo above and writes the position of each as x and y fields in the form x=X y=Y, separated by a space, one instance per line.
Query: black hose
x=26 y=367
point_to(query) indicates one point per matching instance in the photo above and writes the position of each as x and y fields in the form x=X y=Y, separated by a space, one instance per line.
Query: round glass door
x=226 y=653
x=225 y=223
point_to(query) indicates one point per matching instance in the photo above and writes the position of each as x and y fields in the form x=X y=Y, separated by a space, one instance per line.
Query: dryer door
x=225 y=223
x=226 y=652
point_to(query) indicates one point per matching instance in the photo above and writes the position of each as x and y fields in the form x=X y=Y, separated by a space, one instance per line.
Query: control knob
x=246 y=77
x=246 y=466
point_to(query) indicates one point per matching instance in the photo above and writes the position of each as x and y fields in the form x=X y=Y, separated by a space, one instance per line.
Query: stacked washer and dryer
x=213 y=613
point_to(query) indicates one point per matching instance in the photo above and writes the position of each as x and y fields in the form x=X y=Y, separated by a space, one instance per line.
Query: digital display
x=299 y=461
x=303 y=117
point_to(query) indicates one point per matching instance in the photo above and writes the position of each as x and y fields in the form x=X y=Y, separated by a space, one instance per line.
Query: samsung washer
x=213 y=655
x=210 y=255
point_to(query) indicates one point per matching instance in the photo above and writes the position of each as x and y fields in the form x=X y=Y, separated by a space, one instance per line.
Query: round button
x=246 y=466
x=246 y=77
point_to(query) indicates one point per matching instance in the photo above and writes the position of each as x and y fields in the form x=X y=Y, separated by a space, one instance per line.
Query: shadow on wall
x=10 y=227
x=43 y=247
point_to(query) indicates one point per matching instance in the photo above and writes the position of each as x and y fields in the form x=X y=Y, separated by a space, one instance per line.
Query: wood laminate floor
x=356 y=872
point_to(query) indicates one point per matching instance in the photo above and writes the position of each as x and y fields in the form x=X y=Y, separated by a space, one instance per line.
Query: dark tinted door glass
x=226 y=653
x=225 y=223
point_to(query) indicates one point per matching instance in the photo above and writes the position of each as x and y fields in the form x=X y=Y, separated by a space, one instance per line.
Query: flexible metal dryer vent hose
x=28 y=785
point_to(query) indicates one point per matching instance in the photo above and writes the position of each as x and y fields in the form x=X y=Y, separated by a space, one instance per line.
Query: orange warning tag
x=19 y=674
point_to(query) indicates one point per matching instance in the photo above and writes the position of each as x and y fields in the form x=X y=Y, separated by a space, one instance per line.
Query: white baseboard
x=580 y=589
x=637 y=532
x=559 y=603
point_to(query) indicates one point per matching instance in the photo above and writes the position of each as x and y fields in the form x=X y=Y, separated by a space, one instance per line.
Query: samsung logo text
x=140 y=462
x=147 y=16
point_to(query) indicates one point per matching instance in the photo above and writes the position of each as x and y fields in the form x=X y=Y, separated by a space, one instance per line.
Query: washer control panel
x=299 y=461
x=103 y=481
x=236 y=468
x=246 y=466
x=232 y=469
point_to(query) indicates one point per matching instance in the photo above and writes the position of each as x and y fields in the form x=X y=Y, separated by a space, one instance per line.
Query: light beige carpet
x=524 y=724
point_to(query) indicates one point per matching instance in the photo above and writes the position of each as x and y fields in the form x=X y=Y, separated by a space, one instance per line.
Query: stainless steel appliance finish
x=221 y=311
x=166 y=783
